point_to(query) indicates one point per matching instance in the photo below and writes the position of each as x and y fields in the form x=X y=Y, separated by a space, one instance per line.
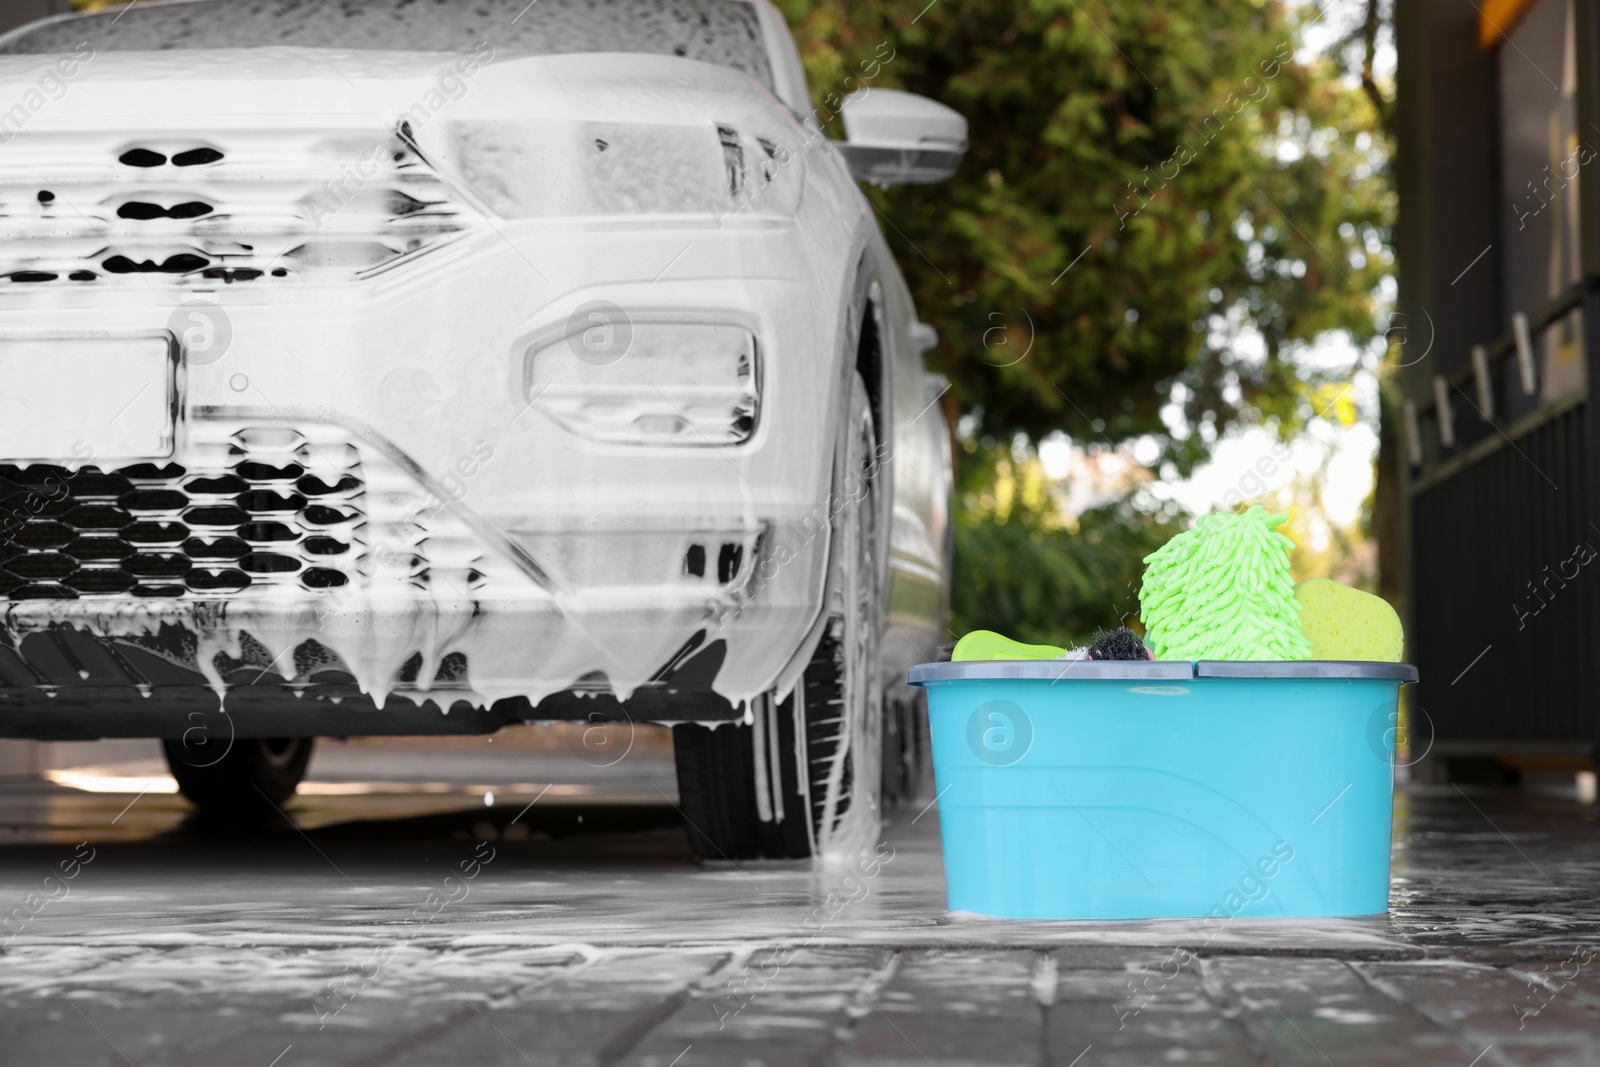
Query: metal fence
x=1505 y=559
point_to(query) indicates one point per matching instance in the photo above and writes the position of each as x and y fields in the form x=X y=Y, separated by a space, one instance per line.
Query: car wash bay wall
x=1497 y=339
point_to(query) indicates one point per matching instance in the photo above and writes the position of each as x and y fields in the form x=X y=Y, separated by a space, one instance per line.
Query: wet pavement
x=402 y=925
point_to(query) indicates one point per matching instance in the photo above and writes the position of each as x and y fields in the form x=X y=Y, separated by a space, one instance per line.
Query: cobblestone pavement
x=578 y=930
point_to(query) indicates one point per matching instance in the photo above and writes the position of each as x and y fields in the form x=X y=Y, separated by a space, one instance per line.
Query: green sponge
x=1222 y=591
x=986 y=644
x=1345 y=623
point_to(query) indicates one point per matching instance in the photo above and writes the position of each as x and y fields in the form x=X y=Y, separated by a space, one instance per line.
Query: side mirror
x=898 y=138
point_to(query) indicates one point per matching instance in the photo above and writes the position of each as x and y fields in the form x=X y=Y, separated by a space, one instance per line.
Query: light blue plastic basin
x=1125 y=790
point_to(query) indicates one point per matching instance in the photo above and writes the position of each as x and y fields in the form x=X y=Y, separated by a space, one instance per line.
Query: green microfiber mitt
x=1222 y=591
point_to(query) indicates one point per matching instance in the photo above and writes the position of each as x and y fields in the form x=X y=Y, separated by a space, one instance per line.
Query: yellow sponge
x=1345 y=623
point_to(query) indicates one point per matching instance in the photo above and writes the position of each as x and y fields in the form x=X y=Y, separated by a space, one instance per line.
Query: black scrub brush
x=1118 y=644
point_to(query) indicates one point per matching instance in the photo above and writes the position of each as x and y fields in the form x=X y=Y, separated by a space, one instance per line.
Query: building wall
x=1505 y=638
x=1446 y=162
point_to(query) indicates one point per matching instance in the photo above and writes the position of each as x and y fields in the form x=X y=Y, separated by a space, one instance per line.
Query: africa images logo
x=204 y=330
x=999 y=732
x=599 y=333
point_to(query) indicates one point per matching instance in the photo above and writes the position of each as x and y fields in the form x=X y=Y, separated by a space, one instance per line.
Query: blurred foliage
x=1147 y=182
x=1323 y=548
x=1034 y=574
x=1202 y=175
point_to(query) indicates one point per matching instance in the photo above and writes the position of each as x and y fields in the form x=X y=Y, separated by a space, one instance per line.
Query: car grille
x=260 y=509
x=253 y=207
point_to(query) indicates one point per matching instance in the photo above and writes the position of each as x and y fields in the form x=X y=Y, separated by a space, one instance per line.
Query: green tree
x=1146 y=185
x=1172 y=158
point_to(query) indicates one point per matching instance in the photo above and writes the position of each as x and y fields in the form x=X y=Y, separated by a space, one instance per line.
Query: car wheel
x=253 y=776
x=803 y=779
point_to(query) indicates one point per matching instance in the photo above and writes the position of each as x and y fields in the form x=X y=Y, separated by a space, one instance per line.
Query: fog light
x=659 y=425
x=648 y=379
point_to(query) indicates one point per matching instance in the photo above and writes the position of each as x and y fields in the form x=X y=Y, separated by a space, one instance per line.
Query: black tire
x=805 y=777
x=717 y=790
x=253 y=777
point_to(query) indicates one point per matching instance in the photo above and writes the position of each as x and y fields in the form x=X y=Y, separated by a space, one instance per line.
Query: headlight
x=724 y=172
x=648 y=379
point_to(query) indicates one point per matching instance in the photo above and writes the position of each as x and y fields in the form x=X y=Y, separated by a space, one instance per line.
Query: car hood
x=267 y=82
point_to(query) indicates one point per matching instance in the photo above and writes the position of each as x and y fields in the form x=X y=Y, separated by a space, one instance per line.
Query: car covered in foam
x=374 y=368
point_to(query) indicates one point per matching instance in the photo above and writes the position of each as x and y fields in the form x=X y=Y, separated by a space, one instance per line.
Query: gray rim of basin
x=1052 y=670
x=1343 y=669
x=1056 y=670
